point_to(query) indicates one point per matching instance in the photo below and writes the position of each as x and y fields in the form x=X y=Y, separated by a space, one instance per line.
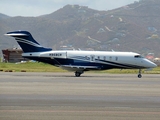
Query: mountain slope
x=134 y=27
x=2 y=16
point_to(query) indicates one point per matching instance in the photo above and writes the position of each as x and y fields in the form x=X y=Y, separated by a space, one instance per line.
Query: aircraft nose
x=153 y=65
x=150 y=64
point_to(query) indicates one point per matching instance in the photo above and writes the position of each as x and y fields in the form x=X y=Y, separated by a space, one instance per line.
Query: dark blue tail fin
x=27 y=42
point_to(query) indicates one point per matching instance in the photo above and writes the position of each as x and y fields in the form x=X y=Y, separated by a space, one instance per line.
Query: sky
x=41 y=7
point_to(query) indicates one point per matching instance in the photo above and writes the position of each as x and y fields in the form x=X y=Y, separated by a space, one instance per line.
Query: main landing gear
x=78 y=73
x=139 y=74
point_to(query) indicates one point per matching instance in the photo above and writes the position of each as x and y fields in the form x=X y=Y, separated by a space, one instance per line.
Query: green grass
x=29 y=67
x=42 y=67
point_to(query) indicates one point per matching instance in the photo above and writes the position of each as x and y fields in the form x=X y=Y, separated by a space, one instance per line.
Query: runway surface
x=61 y=96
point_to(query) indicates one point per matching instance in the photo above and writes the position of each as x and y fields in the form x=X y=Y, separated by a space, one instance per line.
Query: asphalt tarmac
x=61 y=96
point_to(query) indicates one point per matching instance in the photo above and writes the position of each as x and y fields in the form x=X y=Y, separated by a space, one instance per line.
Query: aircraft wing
x=78 y=68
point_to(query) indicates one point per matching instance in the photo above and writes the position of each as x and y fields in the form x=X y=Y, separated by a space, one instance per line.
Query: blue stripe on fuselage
x=100 y=66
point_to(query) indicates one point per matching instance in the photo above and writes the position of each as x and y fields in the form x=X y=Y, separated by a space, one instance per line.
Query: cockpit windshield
x=138 y=56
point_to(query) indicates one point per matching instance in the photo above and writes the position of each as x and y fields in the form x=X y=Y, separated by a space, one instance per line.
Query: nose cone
x=153 y=65
x=149 y=64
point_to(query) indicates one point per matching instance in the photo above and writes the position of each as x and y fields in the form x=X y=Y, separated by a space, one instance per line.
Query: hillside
x=133 y=27
x=2 y=16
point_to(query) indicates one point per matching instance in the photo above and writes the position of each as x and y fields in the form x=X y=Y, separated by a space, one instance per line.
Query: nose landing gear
x=139 y=74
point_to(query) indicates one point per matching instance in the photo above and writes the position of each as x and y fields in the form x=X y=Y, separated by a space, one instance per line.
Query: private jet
x=79 y=61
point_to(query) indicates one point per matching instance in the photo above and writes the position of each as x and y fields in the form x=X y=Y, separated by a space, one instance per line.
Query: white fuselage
x=128 y=60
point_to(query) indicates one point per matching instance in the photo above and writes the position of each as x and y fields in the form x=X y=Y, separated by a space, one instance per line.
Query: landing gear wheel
x=77 y=74
x=139 y=75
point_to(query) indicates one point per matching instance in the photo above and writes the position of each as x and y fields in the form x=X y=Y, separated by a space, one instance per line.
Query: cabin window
x=110 y=58
x=92 y=58
x=116 y=58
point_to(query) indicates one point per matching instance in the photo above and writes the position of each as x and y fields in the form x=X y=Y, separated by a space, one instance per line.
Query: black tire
x=139 y=76
x=77 y=74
